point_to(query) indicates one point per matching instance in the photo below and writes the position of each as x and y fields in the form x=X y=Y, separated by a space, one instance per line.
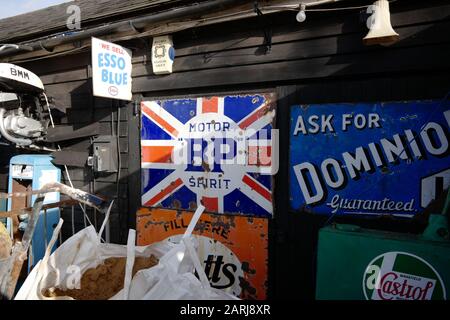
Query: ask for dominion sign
x=369 y=159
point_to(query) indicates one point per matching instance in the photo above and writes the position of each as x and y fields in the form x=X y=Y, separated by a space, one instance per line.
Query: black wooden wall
x=320 y=60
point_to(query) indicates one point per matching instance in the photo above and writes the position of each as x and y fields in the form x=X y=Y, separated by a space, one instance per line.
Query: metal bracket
x=44 y=48
x=77 y=44
x=133 y=27
x=265 y=25
x=136 y=107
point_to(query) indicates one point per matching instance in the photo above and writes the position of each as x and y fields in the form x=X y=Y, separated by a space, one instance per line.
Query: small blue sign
x=369 y=159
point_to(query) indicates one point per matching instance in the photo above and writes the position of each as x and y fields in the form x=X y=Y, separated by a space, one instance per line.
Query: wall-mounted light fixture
x=301 y=15
x=381 y=31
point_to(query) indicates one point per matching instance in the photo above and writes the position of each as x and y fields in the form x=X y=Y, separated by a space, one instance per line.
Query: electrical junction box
x=105 y=158
x=359 y=264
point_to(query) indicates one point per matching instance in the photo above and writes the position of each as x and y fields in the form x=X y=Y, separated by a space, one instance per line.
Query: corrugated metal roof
x=53 y=19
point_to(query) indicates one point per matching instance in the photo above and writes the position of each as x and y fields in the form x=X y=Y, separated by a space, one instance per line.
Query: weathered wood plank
x=380 y=61
x=85 y=144
x=350 y=43
x=134 y=165
x=86 y=174
x=56 y=71
x=65 y=76
x=241 y=54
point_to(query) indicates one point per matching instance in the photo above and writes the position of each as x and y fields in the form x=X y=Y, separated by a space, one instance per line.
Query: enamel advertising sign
x=232 y=249
x=217 y=151
x=402 y=276
x=111 y=70
x=369 y=159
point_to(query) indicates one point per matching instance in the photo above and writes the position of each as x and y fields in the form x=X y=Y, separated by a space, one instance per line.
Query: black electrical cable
x=119 y=163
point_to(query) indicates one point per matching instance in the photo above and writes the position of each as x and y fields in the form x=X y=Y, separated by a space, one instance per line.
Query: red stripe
x=257 y=187
x=260 y=155
x=164 y=192
x=157 y=154
x=210 y=105
x=163 y=123
x=259 y=113
x=211 y=204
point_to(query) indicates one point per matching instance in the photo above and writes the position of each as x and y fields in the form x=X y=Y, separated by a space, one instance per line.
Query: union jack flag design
x=191 y=127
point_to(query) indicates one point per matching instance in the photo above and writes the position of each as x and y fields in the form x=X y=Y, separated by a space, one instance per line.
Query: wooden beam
x=395 y=60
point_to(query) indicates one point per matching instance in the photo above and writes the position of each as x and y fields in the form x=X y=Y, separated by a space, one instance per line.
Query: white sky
x=9 y=8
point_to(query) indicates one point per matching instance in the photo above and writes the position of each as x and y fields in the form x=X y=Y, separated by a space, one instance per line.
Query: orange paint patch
x=210 y=105
x=157 y=154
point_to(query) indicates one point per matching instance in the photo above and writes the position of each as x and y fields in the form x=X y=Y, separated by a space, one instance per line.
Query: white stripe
x=161 y=186
x=256 y=197
x=170 y=119
x=368 y=213
x=220 y=204
x=260 y=169
x=259 y=143
x=159 y=143
x=380 y=213
x=199 y=106
x=220 y=105
x=157 y=165
x=261 y=123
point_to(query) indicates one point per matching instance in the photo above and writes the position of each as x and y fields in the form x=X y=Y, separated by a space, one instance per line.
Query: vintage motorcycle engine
x=26 y=119
x=23 y=116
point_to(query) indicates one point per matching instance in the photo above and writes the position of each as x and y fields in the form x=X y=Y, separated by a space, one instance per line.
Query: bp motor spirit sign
x=402 y=276
x=218 y=151
x=369 y=159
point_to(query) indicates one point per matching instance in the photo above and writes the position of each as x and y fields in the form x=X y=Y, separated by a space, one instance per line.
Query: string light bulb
x=301 y=15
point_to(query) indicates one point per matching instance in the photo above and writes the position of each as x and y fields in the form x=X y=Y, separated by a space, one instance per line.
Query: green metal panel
x=357 y=264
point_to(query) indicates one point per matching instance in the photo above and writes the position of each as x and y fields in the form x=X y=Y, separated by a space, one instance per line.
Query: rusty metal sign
x=369 y=159
x=216 y=151
x=233 y=249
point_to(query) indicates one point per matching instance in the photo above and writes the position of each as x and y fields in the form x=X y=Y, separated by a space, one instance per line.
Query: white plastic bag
x=79 y=253
x=173 y=278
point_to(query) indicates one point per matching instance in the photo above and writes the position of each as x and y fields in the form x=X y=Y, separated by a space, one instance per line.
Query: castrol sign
x=216 y=151
x=402 y=276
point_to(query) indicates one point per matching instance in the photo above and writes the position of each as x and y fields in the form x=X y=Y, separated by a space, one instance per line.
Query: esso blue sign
x=111 y=70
